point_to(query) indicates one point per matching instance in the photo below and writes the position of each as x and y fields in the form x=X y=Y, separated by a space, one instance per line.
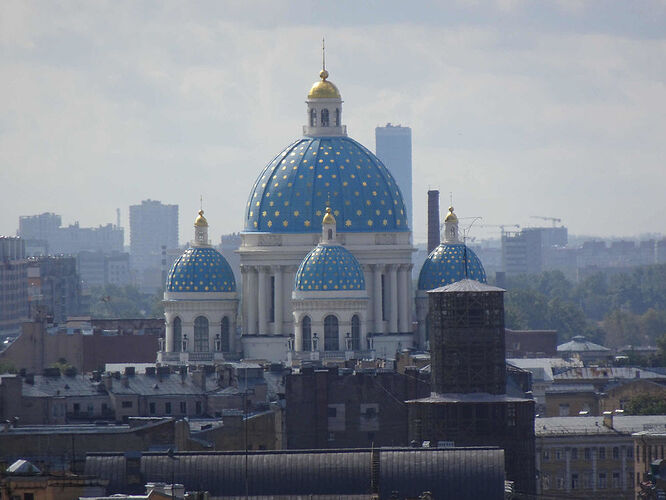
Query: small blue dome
x=289 y=195
x=329 y=267
x=201 y=269
x=446 y=265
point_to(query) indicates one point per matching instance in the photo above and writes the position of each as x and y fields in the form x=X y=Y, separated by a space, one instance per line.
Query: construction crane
x=554 y=220
x=501 y=226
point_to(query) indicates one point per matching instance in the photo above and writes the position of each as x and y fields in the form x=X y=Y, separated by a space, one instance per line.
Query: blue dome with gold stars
x=288 y=195
x=201 y=269
x=329 y=268
x=446 y=265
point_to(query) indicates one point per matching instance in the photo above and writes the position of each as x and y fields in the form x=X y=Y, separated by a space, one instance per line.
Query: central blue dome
x=201 y=269
x=329 y=268
x=448 y=263
x=289 y=194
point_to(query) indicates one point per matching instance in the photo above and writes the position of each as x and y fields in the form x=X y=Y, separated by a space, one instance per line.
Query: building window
x=28 y=496
x=546 y=455
x=271 y=312
x=545 y=481
x=126 y=404
x=224 y=335
x=324 y=117
x=564 y=410
x=167 y=408
x=616 y=453
x=616 y=479
x=177 y=335
x=331 y=333
x=332 y=412
x=306 y=331
x=558 y=454
x=77 y=408
x=198 y=407
x=356 y=333
x=151 y=408
x=630 y=452
x=601 y=453
x=588 y=454
x=201 y=334
x=588 y=480
x=560 y=483
x=183 y=407
x=601 y=484
x=574 y=481
x=313 y=118
x=574 y=453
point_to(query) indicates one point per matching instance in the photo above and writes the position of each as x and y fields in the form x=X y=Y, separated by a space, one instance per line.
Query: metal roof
x=469 y=397
x=580 y=344
x=606 y=373
x=448 y=473
x=77 y=385
x=622 y=424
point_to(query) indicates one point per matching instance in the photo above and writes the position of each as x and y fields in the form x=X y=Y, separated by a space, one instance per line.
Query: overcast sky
x=519 y=108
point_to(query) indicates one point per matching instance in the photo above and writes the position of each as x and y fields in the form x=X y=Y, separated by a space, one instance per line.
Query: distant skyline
x=553 y=108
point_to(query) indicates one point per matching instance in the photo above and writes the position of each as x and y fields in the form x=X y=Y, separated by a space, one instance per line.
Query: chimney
x=108 y=381
x=608 y=419
x=433 y=219
x=199 y=379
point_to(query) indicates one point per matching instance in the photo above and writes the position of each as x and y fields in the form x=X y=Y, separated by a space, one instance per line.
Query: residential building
x=649 y=444
x=152 y=226
x=14 y=308
x=591 y=457
x=101 y=269
x=393 y=145
x=71 y=239
x=54 y=288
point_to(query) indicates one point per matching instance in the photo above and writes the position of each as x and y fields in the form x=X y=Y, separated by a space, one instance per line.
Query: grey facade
x=13 y=285
x=394 y=149
x=153 y=225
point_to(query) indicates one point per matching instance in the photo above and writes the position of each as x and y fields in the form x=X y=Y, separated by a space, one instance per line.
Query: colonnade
x=388 y=286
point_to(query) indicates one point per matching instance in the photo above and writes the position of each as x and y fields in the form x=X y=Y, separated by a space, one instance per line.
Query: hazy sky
x=519 y=107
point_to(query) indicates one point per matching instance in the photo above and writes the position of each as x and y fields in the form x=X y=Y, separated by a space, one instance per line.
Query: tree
x=646 y=404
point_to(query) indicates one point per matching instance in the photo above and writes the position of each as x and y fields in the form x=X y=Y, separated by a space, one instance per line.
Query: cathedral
x=326 y=260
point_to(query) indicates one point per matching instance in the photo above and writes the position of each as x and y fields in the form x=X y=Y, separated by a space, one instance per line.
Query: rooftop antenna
x=450 y=198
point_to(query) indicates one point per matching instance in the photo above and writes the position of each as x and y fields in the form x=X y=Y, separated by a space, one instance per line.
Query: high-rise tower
x=394 y=149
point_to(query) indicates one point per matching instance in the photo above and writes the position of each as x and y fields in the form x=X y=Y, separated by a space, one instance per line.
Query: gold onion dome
x=324 y=89
x=201 y=220
x=328 y=218
x=451 y=217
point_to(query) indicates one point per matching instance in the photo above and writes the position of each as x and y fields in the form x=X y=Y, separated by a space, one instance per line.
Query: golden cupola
x=323 y=89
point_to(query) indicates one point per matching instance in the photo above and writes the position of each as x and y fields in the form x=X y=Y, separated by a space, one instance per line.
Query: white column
x=377 y=297
x=404 y=318
x=393 y=298
x=263 y=300
x=298 y=333
x=168 y=336
x=278 y=326
x=252 y=301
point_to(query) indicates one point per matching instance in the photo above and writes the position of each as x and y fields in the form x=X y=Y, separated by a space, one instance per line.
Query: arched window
x=306 y=330
x=331 y=337
x=177 y=335
x=313 y=118
x=324 y=117
x=224 y=335
x=201 y=334
x=337 y=117
x=356 y=333
x=330 y=234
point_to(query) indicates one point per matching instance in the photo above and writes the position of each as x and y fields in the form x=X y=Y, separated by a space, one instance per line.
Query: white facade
x=200 y=325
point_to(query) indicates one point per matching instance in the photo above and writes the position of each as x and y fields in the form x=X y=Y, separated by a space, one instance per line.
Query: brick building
x=331 y=408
